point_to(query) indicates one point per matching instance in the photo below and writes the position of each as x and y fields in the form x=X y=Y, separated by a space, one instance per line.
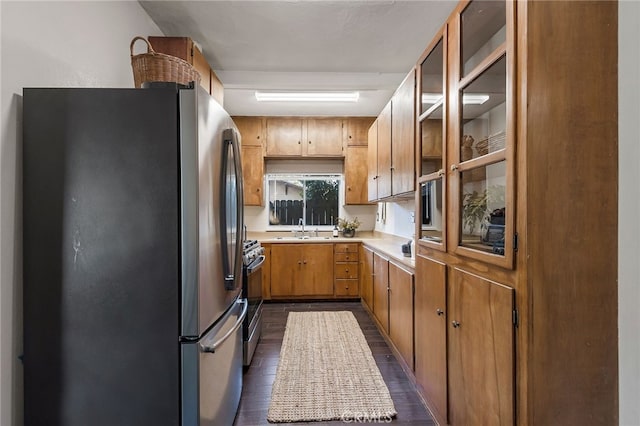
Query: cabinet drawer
x=346 y=248
x=346 y=257
x=347 y=288
x=346 y=270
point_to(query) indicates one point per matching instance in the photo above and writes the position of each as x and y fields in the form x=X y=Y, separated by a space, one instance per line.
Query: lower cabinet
x=366 y=276
x=431 y=334
x=481 y=351
x=381 y=291
x=401 y=311
x=301 y=270
x=346 y=269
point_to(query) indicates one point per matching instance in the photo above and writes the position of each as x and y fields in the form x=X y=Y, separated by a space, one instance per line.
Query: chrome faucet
x=301 y=223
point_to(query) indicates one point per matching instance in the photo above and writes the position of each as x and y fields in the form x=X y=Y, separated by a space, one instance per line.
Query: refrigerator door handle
x=231 y=261
x=215 y=345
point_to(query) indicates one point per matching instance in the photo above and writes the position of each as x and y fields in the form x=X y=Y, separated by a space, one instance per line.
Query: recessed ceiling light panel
x=307 y=96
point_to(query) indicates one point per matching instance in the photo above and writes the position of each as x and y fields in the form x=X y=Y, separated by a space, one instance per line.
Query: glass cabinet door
x=481 y=169
x=431 y=203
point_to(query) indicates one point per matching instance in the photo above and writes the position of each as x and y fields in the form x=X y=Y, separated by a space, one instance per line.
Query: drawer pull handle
x=439 y=312
x=455 y=324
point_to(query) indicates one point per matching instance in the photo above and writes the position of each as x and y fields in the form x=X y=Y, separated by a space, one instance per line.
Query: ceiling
x=367 y=46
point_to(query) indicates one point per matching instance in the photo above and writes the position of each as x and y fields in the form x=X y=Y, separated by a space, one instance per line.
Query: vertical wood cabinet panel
x=431 y=334
x=403 y=136
x=401 y=311
x=266 y=273
x=372 y=162
x=481 y=351
x=383 y=176
x=356 y=175
x=286 y=269
x=253 y=175
x=366 y=276
x=381 y=290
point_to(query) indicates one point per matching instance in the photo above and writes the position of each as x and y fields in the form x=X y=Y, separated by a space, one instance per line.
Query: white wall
x=47 y=44
x=395 y=218
x=629 y=211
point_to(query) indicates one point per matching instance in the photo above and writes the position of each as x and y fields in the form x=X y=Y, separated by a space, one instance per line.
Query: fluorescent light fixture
x=307 y=96
x=475 y=99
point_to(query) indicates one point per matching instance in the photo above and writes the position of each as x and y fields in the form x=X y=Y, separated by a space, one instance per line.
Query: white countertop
x=385 y=244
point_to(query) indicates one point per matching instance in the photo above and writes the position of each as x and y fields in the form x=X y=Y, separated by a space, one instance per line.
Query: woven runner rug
x=327 y=372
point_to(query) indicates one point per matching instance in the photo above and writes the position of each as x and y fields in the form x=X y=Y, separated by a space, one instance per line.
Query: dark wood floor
x=259 y=377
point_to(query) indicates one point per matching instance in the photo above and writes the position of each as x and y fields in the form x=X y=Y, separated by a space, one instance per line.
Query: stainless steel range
x=252 y=258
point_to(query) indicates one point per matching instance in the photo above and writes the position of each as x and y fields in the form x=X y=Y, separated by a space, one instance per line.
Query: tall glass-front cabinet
x=516 y=143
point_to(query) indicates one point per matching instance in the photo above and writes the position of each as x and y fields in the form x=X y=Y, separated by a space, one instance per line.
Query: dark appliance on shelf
x=253 y=257
x=132 y=257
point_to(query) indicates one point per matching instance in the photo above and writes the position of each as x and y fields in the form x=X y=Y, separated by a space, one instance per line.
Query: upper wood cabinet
x=284 y=137
x=253 y=175
x=185 y=48
x=251 y=129
x=357 y=130
x=403 y=124
x=304 y=137
x=356 y=175
x=380 y=156
x=252 y=133
x=392 y=145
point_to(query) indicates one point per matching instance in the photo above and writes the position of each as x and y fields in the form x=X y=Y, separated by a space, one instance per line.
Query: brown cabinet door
x=384 y=152
x=202 y=66
x=286 y=269
x=347 y=248
x=481 y=351
x=356 y=175
x=317 y=271
x=251 y=130
x=183 y=48
x=284 y=137
x=252 y=175
x=324 y=137
x=366 y=277
x=430 y=307
x=381 y=290
x=403 y=136
x=401 y=311
x=266 y=273
x=358 y=130
x=372 y=163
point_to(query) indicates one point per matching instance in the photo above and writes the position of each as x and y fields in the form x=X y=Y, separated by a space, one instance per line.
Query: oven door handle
x=256 y=264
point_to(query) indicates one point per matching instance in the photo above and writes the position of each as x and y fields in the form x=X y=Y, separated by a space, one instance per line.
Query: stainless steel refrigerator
x=132 y=218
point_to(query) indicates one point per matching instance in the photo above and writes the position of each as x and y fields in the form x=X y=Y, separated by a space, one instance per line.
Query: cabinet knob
x=455 y=324
x=439 y=312
x=299 y=262
x=298 y=142
x=346 y=270
x=440 y=172
x=309 y=142
x=454 y=167
x=304 y=261
x=257 y=137
x=257 y=189
x=347 y=257
x=348 y=188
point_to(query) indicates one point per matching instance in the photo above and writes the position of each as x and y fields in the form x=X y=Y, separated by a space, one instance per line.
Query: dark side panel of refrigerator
x=105 y=243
